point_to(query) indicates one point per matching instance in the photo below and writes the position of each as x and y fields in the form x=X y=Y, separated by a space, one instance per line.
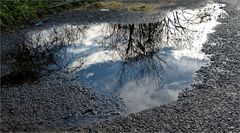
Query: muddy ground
x=212 y=103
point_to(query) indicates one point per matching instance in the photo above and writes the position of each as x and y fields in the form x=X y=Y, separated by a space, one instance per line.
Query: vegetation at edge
x=17 y=12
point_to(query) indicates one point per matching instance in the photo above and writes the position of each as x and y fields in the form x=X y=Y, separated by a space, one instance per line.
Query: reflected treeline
x=140 y=45
x=56 y=40
x=39 y=53
x=65 y=34
x=133 y=40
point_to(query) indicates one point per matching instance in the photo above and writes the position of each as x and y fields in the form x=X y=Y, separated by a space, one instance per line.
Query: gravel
x=210 y=104
x=56 y=105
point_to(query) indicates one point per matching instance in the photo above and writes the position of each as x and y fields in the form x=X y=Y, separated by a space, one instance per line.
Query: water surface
x=146 y=64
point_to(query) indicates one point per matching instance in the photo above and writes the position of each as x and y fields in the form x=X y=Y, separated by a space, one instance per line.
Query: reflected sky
x=144 y=92
x=145 y=64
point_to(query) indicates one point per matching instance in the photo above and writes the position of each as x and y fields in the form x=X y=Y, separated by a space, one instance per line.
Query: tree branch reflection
x=140 y=46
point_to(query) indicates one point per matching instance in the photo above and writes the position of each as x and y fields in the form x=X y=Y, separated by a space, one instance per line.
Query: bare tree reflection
x=40 y=53
x=61 y=37
x=140 y=45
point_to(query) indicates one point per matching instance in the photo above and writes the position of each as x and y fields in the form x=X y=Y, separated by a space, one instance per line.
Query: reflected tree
x=140 y=45
x=56 y=40
x=39 y=53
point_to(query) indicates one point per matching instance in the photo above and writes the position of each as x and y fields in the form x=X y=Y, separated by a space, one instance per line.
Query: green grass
x=14 y=13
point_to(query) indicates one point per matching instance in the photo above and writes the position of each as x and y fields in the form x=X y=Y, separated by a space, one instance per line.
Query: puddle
x=146 y=64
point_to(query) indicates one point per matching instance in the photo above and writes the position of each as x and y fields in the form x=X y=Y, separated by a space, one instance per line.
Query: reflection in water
x=55 y=41
x=138 y=46
x=146 y=93
x=146 y=64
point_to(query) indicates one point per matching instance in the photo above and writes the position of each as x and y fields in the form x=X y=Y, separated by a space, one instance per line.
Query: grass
x=14 y=13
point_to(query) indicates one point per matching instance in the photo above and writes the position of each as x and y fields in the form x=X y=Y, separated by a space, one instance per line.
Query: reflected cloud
x=142 y=95
x=146 y=93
